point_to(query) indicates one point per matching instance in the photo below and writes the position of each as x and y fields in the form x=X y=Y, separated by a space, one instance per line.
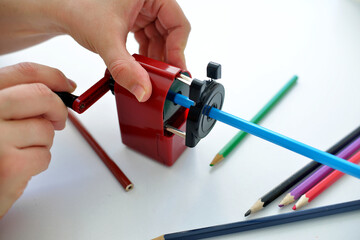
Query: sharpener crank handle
x=81 y=103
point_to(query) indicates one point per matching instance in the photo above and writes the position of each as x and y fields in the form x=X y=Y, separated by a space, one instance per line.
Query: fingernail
x=139 y=92
x=72 y=84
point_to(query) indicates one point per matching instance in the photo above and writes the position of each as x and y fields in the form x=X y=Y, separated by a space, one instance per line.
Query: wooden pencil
x=264 y=222
x=323 y=185
x=299 y=175
x=110 y=164
x=318 y=175
x=257 y=118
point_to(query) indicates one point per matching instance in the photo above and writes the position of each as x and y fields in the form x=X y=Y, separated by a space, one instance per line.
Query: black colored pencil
x=299 y=175
x=284 y=218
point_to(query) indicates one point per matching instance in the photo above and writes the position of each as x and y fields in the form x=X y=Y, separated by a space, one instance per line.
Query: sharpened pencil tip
x=159 y=238
x=287 y=200
x=248 y=213
x=302 y=201
x=294 y=207
x=218 y=158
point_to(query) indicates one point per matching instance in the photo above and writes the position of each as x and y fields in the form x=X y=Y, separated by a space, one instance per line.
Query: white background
x=261 y=45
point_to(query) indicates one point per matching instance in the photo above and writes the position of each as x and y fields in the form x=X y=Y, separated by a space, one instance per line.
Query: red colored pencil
x=111 y=165
x=323 y=184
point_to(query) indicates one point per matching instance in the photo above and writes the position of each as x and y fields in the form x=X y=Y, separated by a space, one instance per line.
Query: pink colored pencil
x=323 y=184
x=319 y=175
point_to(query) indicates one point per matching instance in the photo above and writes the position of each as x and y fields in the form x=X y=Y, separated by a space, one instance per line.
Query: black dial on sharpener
x=205 y=94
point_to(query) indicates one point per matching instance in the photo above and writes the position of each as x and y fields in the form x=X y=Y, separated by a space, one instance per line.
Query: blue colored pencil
x=271 y=136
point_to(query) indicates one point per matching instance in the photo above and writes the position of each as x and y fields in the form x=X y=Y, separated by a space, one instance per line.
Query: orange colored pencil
x=323 y=184
x=111 y=165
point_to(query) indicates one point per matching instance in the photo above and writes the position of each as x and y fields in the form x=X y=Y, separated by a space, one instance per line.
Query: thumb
x=127 y=72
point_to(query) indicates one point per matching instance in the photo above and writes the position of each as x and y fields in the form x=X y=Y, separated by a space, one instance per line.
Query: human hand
x=102 y=26
x=29 y=114
x=159 y=26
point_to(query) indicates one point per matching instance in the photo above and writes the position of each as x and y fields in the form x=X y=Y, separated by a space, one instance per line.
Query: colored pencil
x=323 y=185
x=227 y=149
x=264 y=222
x=110 y=164
x=318 y=175
x=299 y=175
x=271 y=136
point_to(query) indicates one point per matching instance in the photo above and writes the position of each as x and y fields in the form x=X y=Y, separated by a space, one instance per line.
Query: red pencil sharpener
x=142 y=125
x=157 y=127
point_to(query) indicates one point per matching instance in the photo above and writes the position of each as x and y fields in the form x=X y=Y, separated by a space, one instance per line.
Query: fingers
x=143 y=41
x=34 y=159
x=26 y=133
x=178 y=28
x=29 y=113
x=126 y=71
x=164 y=18
x=32 y=100
x=16 y=169
x=23 y=163
x=152 y=43
x=162 y=30
x=23 y=73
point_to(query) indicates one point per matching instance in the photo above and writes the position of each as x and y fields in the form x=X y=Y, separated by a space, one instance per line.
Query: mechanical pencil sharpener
x=157 y=127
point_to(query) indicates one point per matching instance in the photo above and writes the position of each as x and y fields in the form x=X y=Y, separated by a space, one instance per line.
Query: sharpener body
x=142 y=124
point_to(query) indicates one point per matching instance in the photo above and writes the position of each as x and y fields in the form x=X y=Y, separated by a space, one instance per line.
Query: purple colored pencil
x=318 y=175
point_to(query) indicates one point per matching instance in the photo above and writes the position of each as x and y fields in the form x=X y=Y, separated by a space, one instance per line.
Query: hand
x=159 y=26
x=29 y=114
x=102 y=26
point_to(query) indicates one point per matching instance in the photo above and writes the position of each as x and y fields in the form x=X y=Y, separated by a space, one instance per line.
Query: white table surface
x=260 y=44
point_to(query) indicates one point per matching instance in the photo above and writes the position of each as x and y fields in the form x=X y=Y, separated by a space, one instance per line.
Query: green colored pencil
x=260 y=115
